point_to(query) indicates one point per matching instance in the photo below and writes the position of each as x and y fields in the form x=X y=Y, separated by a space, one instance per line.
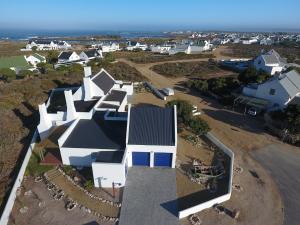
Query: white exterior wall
x=269 y=68
x=105 y=174
x=249 y=91
x=280 y=97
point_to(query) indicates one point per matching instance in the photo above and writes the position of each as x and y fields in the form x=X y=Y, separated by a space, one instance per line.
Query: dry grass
x=11 y=48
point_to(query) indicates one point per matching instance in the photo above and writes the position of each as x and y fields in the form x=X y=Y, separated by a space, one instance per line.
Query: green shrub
x=199 y=126
x=184 y=110
x=25 y=73
x=109 y=57
x=89 y=184
x=7 y=74
x=34 y=168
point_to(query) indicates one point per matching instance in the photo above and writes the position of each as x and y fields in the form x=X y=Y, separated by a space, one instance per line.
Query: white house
x=106 y=135
x=266 y=41
x=279 y=90
x=132 y=45
x=249 y=41
x=67 y=57
x=270 y=62
x=111 y=47
x=35 y=58
x=90 y=54
x=46 y=44
x=162 y=49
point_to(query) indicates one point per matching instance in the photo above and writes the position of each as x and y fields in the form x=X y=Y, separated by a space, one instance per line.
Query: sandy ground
x=51 y=211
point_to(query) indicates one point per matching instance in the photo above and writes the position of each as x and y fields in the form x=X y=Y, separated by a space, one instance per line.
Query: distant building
x=266 y=41
x=35 y=58
x=132 y=45
x=192 y=48
x=45 y=44
x=108 y=47
x=270 y=62
x=248 y=41
x=67 y=57
x=90 y=54
x=280 y=90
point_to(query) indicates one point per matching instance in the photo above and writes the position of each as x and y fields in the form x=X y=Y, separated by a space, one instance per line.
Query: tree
x=75 y=69
x=292 y=113
x=7 y=74
x=44 y=67
x=184 y=110
x=52 y=57
x=34 y=48
x=248 y=76
x=199 y=126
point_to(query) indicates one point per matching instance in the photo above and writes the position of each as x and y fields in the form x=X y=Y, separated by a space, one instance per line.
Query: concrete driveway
x=150 y=197
x=283 y=163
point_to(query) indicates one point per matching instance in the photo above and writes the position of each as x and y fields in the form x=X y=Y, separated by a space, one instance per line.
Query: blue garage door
x=140 y=158
x=163 y=159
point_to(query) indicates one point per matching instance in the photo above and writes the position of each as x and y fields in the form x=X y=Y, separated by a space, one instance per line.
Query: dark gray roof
x=116 y=96
x=92 y=53
x=58 y=101
x=107 y=106
x=84 y=106
x=65 y=55
x=98 y=133
x=109 y=156
x=151 y=125
x=295 y=101
x=104 y=82
x=40 y=41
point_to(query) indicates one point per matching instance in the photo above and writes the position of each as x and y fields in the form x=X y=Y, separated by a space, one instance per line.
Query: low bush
x=34 y=168
x=89 y=184
x=199 y=126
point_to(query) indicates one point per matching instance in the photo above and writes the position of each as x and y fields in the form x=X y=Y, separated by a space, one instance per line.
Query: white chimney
x=71 y=111
x=45 y=122
x=87 y=88
x=87 y=71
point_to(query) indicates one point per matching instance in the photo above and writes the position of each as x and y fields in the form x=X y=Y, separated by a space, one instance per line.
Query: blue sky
x=115 y=15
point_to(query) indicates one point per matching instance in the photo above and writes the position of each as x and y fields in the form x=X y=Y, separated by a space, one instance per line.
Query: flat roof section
x=116 y=96
x=151 y=125
x=84 y=106
x=108 y=106
x=58 y=101
x=109 y=156
x=98 y=133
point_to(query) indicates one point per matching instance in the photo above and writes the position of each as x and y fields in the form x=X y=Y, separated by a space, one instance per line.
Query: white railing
x=13 y=193
x=219 y=199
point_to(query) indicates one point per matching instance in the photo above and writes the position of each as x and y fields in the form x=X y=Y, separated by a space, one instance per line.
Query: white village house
x=270 y=62
x=68 y=57
x=46 y=44
x=35 y=58
x=132 y=45
x=105 y=132
x=90 y=54
x=192 y=48
x=108 y=47
x=280 y=90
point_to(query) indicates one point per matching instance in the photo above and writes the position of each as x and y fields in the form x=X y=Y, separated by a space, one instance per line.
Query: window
x=272 y=91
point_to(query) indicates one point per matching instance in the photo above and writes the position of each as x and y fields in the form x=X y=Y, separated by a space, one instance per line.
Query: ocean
x=20 y=35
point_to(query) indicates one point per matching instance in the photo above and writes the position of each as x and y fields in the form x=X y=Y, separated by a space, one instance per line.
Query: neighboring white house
x=108 y=47
x=248 y=41
x=67 y=57
x=136 y=45
x=90 y=54
x=266 y=41
x=104 y=134
x=162 y=49
x=35 y=58
x=45 y=44
x=279 y=90
x=270 y=62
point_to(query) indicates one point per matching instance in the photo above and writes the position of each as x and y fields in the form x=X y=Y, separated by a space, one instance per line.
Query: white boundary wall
x=13 y=194
x=217 y=200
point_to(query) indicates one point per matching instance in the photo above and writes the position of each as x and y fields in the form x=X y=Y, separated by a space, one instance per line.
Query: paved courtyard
x=283 y=162
x=149 y=197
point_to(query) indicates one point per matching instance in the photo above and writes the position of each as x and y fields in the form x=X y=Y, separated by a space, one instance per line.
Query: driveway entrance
x=149 y=197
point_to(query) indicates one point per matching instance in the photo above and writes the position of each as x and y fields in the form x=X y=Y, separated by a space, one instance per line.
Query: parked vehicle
x=252 y=112
x=168 y=91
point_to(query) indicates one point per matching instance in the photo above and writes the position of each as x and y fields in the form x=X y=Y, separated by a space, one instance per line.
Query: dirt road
x=240 y=132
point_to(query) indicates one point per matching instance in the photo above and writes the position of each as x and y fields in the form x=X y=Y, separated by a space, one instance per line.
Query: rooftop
x=116 y=96
x=151 y=125
x=104 y=81
x=98 y=133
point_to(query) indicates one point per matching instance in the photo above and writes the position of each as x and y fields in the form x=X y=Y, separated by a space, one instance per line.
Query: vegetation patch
x=191 y=69
x=287 y=49
x=186 y=119
x=152 y=58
